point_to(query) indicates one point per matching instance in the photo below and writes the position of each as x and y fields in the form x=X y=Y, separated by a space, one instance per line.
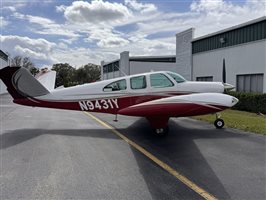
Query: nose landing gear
x=218 y=123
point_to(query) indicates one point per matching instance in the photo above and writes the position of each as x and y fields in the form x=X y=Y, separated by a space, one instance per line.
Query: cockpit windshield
x=178 y=78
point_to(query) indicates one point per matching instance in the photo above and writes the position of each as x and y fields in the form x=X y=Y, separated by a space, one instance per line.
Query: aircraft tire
x=161 y=131
x=219 y=123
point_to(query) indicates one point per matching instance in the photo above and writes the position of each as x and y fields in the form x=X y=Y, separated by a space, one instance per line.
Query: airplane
x=157 y=96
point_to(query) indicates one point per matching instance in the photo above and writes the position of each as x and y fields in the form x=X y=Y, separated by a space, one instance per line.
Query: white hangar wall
x=142 y=67
x=248 y=58
x=3 y=63
x=184 y=53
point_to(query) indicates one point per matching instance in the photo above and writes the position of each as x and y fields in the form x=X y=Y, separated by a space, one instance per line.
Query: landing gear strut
x=115 y=120
x=218 y=123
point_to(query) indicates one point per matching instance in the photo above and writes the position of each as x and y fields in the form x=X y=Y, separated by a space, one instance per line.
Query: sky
x=81 y=32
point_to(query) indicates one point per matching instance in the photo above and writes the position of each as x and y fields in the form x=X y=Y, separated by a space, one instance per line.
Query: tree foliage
x=19 y=61
x=251 y=102
x=67 y=75
x=34 y=71
x=87 y=74
x=64 y=74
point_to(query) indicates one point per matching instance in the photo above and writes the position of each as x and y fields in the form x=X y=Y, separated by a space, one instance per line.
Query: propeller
x=227 y=86
x=224 y=72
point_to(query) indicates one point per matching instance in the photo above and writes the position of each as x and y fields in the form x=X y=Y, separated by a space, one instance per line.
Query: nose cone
x=234 y=101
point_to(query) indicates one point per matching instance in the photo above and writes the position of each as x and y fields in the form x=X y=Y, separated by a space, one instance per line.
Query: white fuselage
x=95 y=90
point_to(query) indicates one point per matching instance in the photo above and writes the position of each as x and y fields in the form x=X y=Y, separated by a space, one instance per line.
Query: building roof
x=165 y=58
x=251 y=31
x=110 y=62
x=231 y=28
x=3 y=55
x=169 y=58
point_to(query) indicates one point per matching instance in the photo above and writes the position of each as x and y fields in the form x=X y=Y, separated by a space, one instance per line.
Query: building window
x=105 y=69
x=116 y=86
x=116 y=74
x=138 y=82
x=160 y=81
x=116 y=66
x=249 y=83
x=110 y=75
x=205 y=78
x=111 y=70
x=104 y=76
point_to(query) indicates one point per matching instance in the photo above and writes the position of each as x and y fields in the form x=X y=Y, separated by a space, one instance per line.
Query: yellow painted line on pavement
x=163 y=165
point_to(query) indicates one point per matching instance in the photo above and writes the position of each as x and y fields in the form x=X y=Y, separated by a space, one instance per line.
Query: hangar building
x=241 y=48
x=3 y=63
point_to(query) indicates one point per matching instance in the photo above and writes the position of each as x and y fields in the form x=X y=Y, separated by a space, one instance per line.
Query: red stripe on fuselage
x=123 y=102
x=123 y=106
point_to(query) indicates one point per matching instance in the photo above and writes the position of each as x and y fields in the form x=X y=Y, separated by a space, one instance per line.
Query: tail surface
x=21 y=84
x=47 y=78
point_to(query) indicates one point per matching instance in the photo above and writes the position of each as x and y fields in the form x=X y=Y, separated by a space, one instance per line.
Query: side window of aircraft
x=178 y=78
x=160 y=81
x=138 y=82
x=116 y=86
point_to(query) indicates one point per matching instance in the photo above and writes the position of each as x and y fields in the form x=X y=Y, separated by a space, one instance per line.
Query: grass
x=239 y=120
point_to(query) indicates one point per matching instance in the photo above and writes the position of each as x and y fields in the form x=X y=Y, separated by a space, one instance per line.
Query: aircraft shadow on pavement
x=12 y=138
x=139 y=131
x=178 y=150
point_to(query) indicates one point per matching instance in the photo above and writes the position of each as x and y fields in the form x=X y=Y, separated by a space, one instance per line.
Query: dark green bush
x=252 y=102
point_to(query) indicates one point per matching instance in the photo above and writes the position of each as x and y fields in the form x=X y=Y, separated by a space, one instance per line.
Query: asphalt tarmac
x=58 y=154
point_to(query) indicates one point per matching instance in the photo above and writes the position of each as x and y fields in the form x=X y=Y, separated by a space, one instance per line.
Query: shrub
x=252 y=102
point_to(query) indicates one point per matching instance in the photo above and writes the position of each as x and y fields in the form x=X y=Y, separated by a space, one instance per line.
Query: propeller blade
x=224 y=72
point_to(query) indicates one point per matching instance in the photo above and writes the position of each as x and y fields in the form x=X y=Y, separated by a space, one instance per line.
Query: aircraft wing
x=178 y=106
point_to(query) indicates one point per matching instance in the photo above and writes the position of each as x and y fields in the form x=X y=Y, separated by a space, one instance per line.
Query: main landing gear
x=218 y=123
x=161 y=131
x=159 y=125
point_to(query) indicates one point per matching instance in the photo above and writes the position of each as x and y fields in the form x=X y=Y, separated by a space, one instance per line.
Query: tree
x=93 y=72
x=19 y=61
x=16 y=61
x=34 y=71
x=26 y=62
x=64 y=74
x=88 y=73
x=67 y=76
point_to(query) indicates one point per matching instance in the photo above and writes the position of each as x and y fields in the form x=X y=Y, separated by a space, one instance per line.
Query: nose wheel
x=218 y=123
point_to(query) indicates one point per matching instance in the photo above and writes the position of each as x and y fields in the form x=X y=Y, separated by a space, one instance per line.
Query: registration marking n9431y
x=99 y=104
